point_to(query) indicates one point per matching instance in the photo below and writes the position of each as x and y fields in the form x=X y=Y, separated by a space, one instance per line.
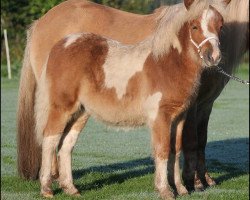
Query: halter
x=198 y=46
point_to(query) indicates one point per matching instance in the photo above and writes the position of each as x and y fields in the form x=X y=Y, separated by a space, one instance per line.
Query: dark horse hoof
x=189 y=184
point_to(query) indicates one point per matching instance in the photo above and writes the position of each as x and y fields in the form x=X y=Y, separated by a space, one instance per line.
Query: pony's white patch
x=122 y=63
x=50 y=141
x=69 y=142
x=71 y=39
x=151 y=106
x=177 y=45
x=206 y=17
x=49 y=145
x=161 y=173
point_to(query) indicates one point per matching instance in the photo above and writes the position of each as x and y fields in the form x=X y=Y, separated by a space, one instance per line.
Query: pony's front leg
x=189 y=147
x=178 y=143
x=161 y=150
x=64 y=156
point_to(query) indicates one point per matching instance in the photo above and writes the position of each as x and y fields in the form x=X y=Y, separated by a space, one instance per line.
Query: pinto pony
x=75 y=16
x=152 y=82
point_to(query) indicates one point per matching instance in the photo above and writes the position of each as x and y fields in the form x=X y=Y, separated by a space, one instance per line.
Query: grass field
x=115 y=165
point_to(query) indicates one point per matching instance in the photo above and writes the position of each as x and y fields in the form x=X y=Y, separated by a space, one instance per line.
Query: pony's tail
x=41 y=106
x=28 y=150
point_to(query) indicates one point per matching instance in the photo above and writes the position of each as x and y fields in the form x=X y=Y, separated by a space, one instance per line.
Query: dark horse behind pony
x=82 y=16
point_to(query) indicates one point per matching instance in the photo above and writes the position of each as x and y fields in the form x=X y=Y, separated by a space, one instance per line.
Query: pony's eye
x=195 y=27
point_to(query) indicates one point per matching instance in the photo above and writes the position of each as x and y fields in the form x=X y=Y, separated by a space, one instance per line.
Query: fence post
x=7 y=52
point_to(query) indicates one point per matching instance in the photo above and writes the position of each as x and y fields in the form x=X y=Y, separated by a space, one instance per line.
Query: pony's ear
x=188 y=3
x=227 y=1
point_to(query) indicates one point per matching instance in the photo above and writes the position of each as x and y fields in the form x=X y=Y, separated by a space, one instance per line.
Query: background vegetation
x=16 y=16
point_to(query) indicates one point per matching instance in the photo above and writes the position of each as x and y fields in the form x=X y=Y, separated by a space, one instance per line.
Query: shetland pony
x=152 y=82
x=81 y=16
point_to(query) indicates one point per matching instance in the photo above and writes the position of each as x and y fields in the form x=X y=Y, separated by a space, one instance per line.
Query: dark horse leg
x=190 y=146
x=194 y=142
x=203 y=118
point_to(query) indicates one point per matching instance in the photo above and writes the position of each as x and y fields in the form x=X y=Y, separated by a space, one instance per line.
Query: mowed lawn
x=116 y=164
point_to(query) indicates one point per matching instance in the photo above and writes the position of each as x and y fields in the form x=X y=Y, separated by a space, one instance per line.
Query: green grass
x=117 y=165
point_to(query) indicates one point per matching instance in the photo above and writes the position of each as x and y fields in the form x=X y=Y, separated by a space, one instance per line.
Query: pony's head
x=204 y=20
x=204 y=34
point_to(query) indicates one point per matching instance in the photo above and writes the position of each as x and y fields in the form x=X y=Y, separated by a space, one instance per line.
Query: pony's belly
x=115 y=116
x=130 y=111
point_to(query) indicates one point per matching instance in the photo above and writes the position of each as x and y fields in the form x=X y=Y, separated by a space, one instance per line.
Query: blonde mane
x=237 y=10
x=173 y=18
x=234 y=38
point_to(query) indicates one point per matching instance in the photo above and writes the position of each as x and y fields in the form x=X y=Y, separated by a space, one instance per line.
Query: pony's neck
x=185 y=62
x=188 y=62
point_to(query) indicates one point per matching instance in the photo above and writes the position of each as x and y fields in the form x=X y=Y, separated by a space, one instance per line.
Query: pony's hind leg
x=161 y=148
x=54 y=167
x=78 y=127
x=48 y=146
x=66 y=146
x=51 y=137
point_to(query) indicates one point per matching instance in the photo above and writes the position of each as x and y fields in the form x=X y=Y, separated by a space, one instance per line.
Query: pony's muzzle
x=215 y=57
x=212 y=58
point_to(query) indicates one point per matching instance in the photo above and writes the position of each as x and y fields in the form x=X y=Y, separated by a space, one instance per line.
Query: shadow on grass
x=228 y=158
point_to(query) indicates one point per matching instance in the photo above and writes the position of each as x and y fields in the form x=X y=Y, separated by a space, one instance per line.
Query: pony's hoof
x=47 y=194
x=181 y=190
x=46 y=191
x=77 y=194
x=167 y=195
x=198 y=186
x=72 y=191
x=210 y=181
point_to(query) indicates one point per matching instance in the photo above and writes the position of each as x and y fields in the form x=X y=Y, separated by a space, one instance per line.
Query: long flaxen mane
x=235 y=34
x=172 y=19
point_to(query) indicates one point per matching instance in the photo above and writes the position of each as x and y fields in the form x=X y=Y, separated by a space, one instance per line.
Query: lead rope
x=219 y=69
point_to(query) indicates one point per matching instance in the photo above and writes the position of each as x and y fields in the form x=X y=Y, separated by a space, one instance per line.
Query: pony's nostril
x=219 y=57
x=210 y=57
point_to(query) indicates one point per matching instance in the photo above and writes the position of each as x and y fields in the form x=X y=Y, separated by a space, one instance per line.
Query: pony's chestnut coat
x=138 y=84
